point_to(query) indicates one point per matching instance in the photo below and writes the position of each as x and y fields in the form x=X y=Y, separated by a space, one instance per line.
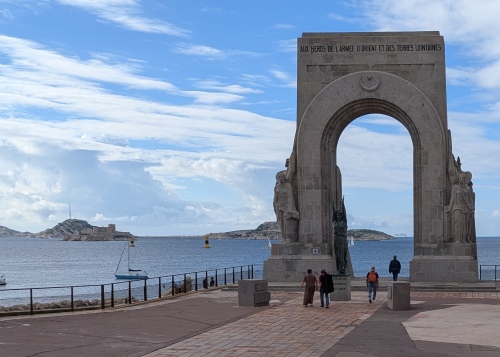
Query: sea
x=34 y=262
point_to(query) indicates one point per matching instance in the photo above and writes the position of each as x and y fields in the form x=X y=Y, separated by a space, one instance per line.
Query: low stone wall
x=64 y=304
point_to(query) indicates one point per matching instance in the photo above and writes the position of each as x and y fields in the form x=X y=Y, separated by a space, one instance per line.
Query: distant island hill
x=80 y=230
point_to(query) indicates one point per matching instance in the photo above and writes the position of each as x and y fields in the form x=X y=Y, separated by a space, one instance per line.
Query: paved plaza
x=210 y=323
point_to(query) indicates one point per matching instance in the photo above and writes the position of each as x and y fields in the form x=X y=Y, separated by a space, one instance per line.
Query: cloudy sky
x=173 y=117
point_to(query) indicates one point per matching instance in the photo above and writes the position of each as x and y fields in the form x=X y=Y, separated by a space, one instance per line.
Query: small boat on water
x=130 y=273
x=351 y=242
x=268 y=246
x=2 y=280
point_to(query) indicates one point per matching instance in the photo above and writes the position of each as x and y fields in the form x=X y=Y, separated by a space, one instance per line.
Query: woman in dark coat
x=311 y=287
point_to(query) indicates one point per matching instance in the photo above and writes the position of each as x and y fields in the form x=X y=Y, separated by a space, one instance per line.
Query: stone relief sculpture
x=339 y=221
x=284 y=207
x=461 y=209
x=472 y=226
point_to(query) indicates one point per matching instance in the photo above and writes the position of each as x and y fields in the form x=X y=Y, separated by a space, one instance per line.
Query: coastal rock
x=68 y=227
x=7 y=232
x=270 y=230
x=367 y=234
x=267 y=230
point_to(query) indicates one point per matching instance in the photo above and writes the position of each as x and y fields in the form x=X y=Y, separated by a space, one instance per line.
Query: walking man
x=325 y=288
x=394 y=268
x=372 y=284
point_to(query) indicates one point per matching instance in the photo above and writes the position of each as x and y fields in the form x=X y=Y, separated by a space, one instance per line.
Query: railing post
x=206 y=277
x=173 y=286
x=31 y=301
x=216 y=280
x=112 y=295
x=233 y=275
x=185 y=284
x=159 y=287
x=129 y=292
x=72 y=300
x=480 y=271
x=495 y=272
x=196 y=281
x=225 y=280
x=248 y=271
x=103 y=303
x=241 y=272
x=145 y=289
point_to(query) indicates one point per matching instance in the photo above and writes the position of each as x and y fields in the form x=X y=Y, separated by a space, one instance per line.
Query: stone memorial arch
x=342 y=76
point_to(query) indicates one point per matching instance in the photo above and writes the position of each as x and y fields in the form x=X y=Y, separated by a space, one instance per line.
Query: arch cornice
x=347 y=99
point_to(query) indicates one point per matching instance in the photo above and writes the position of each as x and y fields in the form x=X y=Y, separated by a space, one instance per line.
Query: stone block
x=253 y=292
x=398 y=296
x=444 y=269
x=342 y=286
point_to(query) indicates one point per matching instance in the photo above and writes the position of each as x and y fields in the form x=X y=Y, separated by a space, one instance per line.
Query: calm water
x=30 y=262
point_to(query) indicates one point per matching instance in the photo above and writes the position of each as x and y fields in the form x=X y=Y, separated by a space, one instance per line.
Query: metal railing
x=489 y=272
x=78 y=297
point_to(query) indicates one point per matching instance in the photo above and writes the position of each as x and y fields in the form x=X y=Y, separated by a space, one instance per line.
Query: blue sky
x=173 y=117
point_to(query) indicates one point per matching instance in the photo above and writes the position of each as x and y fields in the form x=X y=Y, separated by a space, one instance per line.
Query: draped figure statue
x=284 y=207
x=339 y=220
x=461 y=209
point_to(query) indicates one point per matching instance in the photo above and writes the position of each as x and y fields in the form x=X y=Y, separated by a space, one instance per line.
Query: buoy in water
x=207 y=245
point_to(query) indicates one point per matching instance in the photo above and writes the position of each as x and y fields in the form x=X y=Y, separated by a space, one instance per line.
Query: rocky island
x=74 y=230
x=80 y=230
x=270 y=230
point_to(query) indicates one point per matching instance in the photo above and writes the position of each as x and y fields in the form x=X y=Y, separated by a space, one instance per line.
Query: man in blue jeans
x=372 y=284
x=394 y=268
x=325 y=288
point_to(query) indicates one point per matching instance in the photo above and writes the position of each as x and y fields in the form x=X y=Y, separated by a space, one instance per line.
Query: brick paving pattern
x=285 y=330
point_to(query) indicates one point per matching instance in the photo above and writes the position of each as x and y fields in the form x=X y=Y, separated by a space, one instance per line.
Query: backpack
x=371 y=277
x=328 y=283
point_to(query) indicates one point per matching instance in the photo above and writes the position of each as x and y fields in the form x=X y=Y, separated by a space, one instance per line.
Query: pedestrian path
x=289 y=329
x=210 y=323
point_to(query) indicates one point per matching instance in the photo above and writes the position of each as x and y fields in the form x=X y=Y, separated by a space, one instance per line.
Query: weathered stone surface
x=253 y=292
x=342 y=76
x=398 y=296
x=342 y=286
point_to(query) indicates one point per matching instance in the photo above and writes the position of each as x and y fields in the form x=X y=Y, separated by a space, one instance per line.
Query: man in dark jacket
x=394 y=268
x=325 y=281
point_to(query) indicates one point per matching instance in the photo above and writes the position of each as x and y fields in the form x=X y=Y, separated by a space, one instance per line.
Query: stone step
x=358 y=284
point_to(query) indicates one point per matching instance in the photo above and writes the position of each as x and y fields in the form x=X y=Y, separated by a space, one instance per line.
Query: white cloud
x=126 y=13
x=199 y=50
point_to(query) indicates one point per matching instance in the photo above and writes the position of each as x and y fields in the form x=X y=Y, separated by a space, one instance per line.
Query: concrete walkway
x=211 y=324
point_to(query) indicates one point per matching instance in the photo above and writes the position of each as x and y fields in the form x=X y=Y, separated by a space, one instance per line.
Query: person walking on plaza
x=394 y=268
x=311 y=287
x=325 y=281
x=372 y=284
x=212 y=282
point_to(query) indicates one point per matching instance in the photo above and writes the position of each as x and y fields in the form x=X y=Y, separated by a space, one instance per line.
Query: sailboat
x=268 y=246
x=131 y=273
x=351 y=242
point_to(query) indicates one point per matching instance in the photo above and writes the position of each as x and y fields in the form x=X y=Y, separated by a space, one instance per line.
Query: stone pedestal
x=289 y=261
x=253 y=292
x=437 y=269
x=342 y=285
x=398 y=296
